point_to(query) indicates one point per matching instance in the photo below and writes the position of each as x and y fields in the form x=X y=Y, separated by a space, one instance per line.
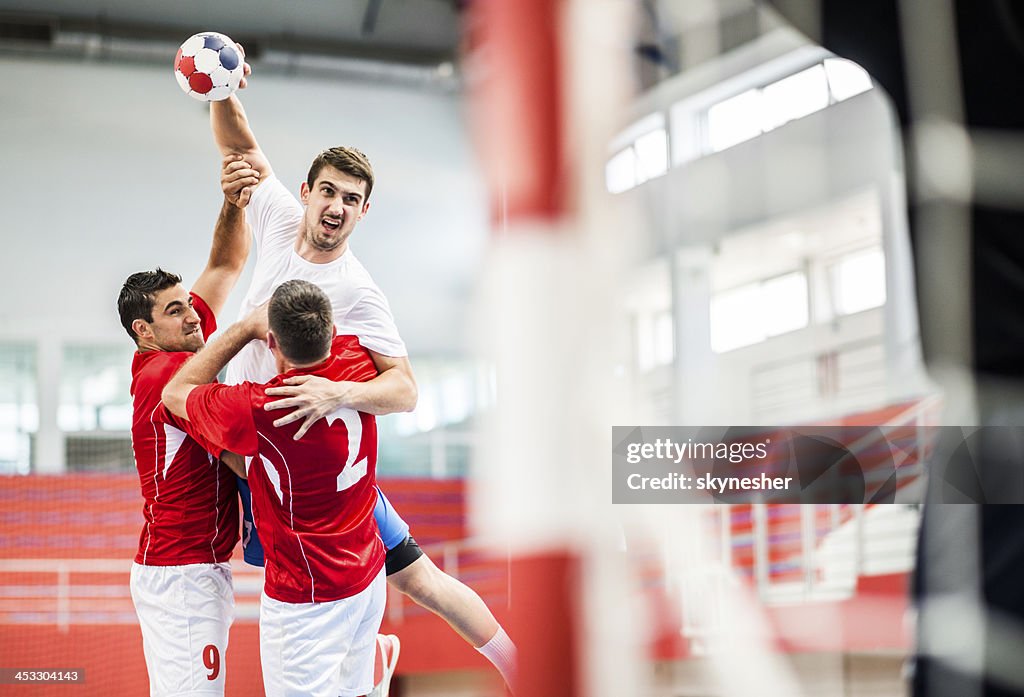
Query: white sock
x=502 y=653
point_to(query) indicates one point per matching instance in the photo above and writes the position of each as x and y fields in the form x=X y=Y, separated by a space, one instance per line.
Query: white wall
x=108 y=168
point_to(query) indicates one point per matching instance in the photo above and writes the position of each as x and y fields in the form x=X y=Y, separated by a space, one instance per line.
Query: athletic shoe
x=384 y=662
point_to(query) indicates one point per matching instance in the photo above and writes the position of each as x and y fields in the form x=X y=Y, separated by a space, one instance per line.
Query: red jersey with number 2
x=312 y=498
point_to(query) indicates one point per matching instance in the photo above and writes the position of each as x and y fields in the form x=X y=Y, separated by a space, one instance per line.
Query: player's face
x=175 y=325
x=334 y=205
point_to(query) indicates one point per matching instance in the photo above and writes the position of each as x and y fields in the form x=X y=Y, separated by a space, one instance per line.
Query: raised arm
x=204 y=366
x=232 y=133
x=311 y=398
x=228 y=251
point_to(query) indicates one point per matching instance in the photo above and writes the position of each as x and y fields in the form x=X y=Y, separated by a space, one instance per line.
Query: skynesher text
x=706 y=482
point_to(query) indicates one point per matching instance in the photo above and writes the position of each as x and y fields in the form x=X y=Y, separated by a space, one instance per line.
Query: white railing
x=855 y=541
x=64 y=602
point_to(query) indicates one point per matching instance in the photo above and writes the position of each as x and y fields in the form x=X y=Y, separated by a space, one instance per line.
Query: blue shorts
x=393 y=530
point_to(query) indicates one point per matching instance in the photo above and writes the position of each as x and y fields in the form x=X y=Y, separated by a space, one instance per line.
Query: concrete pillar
x=49 y=454
x=693 y=370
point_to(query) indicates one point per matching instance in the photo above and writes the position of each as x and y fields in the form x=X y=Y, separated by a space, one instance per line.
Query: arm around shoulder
x=310 y=398
x=394 y=389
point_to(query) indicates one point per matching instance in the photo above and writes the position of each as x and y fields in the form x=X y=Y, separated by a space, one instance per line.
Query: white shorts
x=185 y=613
x=321 y=649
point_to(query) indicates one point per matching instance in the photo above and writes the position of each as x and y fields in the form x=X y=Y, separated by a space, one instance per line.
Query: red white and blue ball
x=208 y=66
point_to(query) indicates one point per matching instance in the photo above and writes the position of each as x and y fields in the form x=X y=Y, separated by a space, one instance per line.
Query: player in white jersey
x=360 y=308
x=309 y=241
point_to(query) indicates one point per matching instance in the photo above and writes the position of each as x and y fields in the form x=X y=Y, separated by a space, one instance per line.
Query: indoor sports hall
x=610 y=232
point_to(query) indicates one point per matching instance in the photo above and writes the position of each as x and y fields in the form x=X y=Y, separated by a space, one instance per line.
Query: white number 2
x=353 y=471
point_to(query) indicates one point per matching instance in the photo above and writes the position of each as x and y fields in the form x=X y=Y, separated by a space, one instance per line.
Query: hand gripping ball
x=208 y=66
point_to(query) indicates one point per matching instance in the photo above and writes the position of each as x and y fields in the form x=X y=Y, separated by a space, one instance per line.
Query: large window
x=19 y=410
x=846 y=79
x=794 y=97
x=809 y=268
x=620 y=172
x=94 y=389
x=762 y=109
x=95 y=410
x=734 y=120
x=857 y=281
x=751 y=313
x=436 y=439
x=651 y=155
x=646 y=157
x=703 y=127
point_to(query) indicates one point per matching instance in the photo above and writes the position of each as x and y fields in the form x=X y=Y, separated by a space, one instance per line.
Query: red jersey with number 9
x=312 y=498
x=191 y=499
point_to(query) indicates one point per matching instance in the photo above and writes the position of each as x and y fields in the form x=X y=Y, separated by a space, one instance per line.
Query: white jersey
x=360 y=307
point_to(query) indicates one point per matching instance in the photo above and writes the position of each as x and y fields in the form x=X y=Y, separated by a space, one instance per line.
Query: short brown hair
x=138 y=294
x=348 y=160
x=301 y=317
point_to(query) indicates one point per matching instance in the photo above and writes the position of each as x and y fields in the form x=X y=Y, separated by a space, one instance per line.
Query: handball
x=208 y=66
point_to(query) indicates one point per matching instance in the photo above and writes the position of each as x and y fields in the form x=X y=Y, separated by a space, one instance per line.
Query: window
x=19 y=410
x=456 y=395
x=784 y=304
x=858 y=281
x=752 y=313
x=762 y=109
x=433 y=439
x=655 y=344
x=794 y=97
x=734 y=120
x=699 y=130
x=734 y=319
x=651 y=155
x=845 y=78
x=620 y=172
x=645 y=159
x=94 y=389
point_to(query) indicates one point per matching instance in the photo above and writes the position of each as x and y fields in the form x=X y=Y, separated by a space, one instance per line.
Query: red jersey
x=191 y=499
x=312 y=499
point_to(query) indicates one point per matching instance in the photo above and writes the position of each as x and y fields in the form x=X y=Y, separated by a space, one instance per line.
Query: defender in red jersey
x=180 y=579
x=313 y=498
x=191 y=507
